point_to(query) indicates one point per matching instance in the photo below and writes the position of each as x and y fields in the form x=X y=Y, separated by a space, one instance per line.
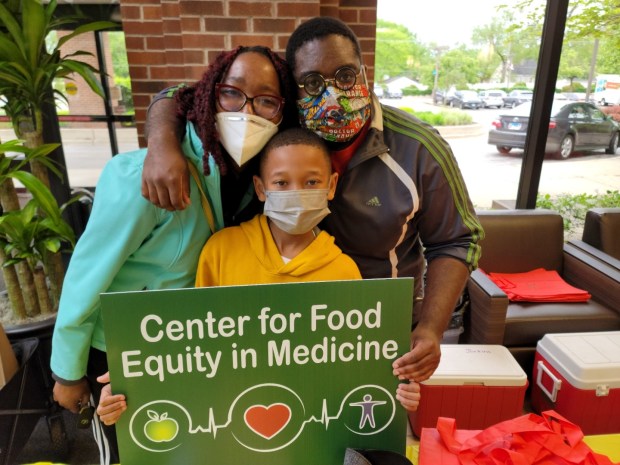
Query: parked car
x=444 y=97
x=572 y=126
x=378 y=90
x=576 y=97
x=394 y=93
x=517 y=97
x=492 y=98
x=439 y=97
x=448 y=97
x=573 y=96
x=466 y=99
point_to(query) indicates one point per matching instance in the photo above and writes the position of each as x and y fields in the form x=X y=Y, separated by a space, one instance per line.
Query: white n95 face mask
x=297 y=211
x=243 y=135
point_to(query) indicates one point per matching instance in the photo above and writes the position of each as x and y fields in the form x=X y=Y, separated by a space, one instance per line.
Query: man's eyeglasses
x=231 y=98
x=314 y=84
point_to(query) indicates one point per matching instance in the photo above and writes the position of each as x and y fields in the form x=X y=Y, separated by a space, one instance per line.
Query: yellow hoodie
x=247 y=254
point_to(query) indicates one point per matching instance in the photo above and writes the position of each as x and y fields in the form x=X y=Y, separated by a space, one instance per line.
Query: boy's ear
x=259 y=188
x=333 y=180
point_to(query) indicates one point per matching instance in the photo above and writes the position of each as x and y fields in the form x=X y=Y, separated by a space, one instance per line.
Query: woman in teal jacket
x=131 y=245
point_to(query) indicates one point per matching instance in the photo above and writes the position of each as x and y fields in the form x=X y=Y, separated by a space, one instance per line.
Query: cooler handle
x=557 y=383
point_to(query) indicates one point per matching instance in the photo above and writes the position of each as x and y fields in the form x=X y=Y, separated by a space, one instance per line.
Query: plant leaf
x=10 y=23
x=90 y=27
x=52 y=244
x=86 y=71
x=35 y=27
x=40 y=193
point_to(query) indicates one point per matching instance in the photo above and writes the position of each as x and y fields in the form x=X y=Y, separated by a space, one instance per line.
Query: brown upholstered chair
x=522 y=240
x=601 y=235
x=602 y=230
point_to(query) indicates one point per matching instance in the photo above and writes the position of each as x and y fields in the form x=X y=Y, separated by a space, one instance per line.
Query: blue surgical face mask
x=296 y=211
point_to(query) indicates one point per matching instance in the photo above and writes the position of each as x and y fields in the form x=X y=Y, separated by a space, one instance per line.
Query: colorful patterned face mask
x=336 y=115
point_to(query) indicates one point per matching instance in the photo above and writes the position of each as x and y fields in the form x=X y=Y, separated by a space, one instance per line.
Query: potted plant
x=31 y=235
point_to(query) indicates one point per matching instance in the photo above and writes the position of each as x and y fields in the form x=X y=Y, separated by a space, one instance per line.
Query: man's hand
x=445 y=280
x=422 y=361
x=71 y=397
x=110 y=407
x=165 y=177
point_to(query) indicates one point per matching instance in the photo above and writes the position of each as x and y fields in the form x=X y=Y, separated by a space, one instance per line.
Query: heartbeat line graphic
x=265 y=421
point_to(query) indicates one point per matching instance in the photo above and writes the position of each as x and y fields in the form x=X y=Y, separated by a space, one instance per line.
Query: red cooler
x=478 y=385
x=578 y=376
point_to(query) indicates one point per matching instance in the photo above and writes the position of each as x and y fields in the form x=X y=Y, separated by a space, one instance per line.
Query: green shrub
x=413 y=90
x=519 y=86
x=456 y=118
x=442 y=118
x=573 y=207
x=575 y=87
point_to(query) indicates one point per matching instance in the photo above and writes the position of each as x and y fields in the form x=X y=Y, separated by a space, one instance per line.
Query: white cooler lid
x=477 y=364
x=585 y=360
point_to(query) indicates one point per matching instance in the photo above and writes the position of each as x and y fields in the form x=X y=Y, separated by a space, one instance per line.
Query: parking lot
x=491 y=176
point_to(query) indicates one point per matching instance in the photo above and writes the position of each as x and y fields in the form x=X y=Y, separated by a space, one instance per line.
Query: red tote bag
x=548 y=439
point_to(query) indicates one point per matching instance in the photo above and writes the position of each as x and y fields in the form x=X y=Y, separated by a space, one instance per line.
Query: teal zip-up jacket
x=128 y=245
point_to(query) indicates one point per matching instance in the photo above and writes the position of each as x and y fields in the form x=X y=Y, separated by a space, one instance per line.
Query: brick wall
x=171 y=41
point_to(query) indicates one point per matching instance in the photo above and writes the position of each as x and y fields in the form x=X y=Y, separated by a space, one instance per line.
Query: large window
x=94 y=129
x=433 y=54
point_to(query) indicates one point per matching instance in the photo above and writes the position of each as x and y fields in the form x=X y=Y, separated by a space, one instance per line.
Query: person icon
x=368 y=407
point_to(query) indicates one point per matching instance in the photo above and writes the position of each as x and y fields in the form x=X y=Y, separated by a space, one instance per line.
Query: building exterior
x=172 y=41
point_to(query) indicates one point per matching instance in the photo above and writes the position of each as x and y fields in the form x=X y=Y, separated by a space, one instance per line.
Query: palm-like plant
x=30 y=238
x=30 y=235
x=28 y=69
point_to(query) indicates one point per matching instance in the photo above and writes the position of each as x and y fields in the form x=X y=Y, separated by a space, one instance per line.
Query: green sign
x=275 y=374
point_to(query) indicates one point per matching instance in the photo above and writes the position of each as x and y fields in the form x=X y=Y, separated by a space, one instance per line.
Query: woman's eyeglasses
x=314 y=84
x=231 y=98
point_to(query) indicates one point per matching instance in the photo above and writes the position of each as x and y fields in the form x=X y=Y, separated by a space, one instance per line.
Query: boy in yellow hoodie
x=281 y=245
x=284 y=243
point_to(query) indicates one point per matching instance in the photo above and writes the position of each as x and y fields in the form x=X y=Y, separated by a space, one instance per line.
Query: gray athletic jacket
x=402 y=200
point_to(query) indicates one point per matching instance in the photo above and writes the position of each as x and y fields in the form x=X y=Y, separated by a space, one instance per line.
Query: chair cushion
x=527 y=323
x=521 y=240
x=602 y=230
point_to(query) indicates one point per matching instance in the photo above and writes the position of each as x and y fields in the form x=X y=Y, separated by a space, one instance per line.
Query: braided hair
x=196 y=103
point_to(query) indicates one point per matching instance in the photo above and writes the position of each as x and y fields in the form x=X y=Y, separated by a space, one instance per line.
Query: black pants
x=98 y=365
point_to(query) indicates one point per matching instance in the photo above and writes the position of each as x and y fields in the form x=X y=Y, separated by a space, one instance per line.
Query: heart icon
x=267 y=421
